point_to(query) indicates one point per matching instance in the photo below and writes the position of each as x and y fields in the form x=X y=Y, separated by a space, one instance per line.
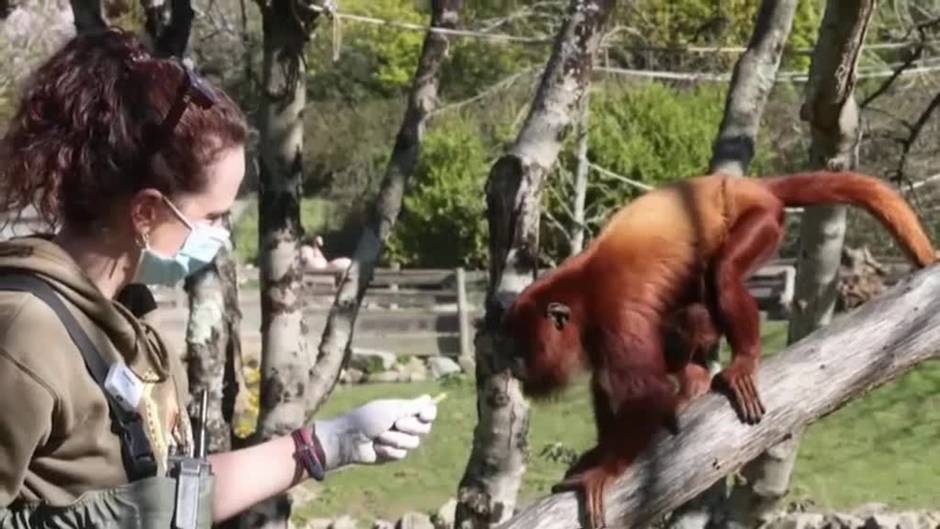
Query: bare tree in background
x=490 y=484
x=423 y=100
x=751 y=83
x=830 y=108
x=287 y=26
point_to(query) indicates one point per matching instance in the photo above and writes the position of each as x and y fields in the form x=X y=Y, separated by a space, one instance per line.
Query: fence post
x=463 y=316
x=393 y=287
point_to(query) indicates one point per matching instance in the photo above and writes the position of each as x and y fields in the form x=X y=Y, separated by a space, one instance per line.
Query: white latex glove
x=380 y=431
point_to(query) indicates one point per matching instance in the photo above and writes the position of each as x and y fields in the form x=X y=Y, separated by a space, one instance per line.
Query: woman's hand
x=380 y=431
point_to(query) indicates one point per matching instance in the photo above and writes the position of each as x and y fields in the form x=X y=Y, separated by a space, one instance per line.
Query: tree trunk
x=856 y=353
x=338 y=334
x=490 y=484
x=89 y=16
x=751 y=83
x=213 y=348
x=284 y=360
x=168 y=24
x=832 y=113
x=579 y=230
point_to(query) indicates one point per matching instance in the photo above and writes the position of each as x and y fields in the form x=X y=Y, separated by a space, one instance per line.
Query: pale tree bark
x=751 y=83
x=168 y=24
x=831 y=110
x=582 y=171
x=753 y=79
x=213 y=348
x=287 y=25
x=857 y=352
x=423 y=100
x=490 y=484
x=89 y=16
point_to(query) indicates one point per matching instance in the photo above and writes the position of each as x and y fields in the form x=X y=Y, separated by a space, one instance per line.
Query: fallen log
x=860 y=350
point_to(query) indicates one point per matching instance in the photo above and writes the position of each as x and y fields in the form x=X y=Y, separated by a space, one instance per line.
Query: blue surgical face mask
x=202 y=244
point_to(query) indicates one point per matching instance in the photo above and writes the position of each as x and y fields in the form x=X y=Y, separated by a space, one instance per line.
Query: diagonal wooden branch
x=337 y=336
x=861 y=350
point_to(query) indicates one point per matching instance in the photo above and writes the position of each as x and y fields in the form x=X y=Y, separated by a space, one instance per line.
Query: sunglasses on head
x=192 y=89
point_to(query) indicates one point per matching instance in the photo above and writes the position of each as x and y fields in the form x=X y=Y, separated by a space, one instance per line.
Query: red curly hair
x=82 y=137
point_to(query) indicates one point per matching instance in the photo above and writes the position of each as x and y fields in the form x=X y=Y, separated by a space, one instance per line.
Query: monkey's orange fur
x=671 y=266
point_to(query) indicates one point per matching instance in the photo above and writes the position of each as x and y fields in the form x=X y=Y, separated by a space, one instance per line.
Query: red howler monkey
x=614 y=307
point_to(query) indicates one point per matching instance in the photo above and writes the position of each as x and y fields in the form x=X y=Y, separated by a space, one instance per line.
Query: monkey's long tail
x=877 y=197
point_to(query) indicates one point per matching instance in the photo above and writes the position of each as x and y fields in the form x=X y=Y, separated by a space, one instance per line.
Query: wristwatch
x=308 y=452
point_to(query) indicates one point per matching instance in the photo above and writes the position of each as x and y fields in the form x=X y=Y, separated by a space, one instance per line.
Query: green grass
x=316 y=214
x=882 y=447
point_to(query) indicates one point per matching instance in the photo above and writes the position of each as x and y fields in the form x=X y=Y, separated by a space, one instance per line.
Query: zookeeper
x=136 y=161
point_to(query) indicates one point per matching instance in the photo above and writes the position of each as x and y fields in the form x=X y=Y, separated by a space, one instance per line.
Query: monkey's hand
x=737 y=382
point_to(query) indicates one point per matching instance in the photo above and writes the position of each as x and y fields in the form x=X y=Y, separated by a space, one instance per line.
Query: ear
x=145 y=210
x=559 y=313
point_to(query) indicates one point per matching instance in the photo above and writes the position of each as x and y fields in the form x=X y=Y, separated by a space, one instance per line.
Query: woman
x=138 y=161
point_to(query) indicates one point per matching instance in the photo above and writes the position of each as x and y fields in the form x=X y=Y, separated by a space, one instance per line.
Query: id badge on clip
x=124 y=386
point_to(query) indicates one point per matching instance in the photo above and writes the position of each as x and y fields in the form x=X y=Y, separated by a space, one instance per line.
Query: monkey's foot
x=737 y=381
x=694 y=381
x=593 y=483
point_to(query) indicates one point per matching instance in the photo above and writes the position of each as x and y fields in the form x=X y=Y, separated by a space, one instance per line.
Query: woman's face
x=159 y=222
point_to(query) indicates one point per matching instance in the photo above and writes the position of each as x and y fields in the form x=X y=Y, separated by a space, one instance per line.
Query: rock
x=415 y=520
x=344 y=522
x=441 y=366
x=371 y=360
x=382 y=524
x=413 y=370
x=843 y=521
x=319 y=523
x=908 y=520
x=445 y=516
x=352 y=376
x=798 y=520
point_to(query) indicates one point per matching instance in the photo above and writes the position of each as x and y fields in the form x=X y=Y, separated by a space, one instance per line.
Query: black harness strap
x=139 y=461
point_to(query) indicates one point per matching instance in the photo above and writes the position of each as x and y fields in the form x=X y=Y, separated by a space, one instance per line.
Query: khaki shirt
x=55 y=429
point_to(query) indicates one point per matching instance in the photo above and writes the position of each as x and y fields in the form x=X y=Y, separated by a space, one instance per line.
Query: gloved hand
x=380 y=431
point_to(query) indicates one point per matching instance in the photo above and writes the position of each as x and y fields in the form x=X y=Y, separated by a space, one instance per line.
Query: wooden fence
x=433 y=311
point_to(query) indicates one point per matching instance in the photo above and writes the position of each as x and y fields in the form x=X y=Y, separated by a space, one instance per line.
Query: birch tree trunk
x=833 y=115
x=490 y=484
x=168 y=24
x=579 y=230
x=89 y=16
x=857 y=352
x=751 y=83
x=338 y=333
x=284 y=362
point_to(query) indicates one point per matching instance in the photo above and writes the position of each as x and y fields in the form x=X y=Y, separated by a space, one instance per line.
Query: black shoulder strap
x=139 y=461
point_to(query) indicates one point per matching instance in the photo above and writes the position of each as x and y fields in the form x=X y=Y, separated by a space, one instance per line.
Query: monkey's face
x=546 y=345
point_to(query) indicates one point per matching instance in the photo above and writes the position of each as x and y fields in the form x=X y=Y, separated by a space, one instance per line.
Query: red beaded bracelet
x=308 y=452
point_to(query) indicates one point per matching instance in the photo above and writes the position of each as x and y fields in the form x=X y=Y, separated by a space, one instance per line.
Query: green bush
x=443 y=220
